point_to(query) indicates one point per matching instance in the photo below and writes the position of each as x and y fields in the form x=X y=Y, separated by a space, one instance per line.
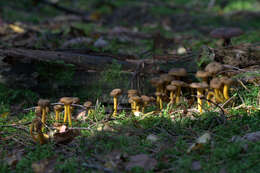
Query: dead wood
x=86 y=61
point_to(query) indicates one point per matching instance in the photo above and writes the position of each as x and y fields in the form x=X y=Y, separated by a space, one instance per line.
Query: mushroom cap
x=215 y=83
x=158 y=94
x=58 y=108
x=179 y=83
x=87 y=104
x=214 y=68
x=199 y=85
x=136 y=99
x=226 y=32
x=115 y=92
x=152 y=99
x=166 y=77
x=226 y=81
x=171 y=87
x=178 y=72
x=66 y=100
x=75 y=100
x=43 y=102
x=132 y=92
x=202 y=74
x=156 y=82
x=145 y=98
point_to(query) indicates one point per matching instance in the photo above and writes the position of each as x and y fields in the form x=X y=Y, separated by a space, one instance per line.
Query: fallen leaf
x=141 y=160
x=200 y=142
x=16 y=28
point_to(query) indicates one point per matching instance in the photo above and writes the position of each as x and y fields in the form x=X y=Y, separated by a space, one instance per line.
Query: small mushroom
x=88 y=105
x=136 y=100
x=227 y=83
x=115 y=93
x=145 y=100
x=157 y=83
x=204 y=75
x=226 y=33
x=67 y=101
x=36 y=126
x=166 y=78
x=44 y=103
x=172 y=89
x=178 y=84
x=216 y=84
x=213 y=68
x=57 y=110
x=200 y=87
x=159 y=98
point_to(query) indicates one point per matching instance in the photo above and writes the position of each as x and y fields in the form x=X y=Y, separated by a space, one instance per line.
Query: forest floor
x=224 y=138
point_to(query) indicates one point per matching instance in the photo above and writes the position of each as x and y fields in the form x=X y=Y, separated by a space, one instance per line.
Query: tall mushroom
x=159 y=98
x=226 y=33
x=216 y=84
x=204 y=75
x=200 y=87
x=67 y=101
x=115 y=93
x=136 y=100
x=171 y=89
x=227 y=82
x=44 y=103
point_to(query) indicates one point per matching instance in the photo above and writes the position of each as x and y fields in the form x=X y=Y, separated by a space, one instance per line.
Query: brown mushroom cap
x=87 y=104
x=156 y=82
x=225 y=80
x=115 y=92
x=44 y=102
x=145 y=98
x=158 y=94
x=132 y=92
x=202 y=74
x=171 y=87
x=214 y=67
x=136 y=99
x=75 y=100
x=215 y=83
x=58 y=108
x=166 y=77
x=152 y=99
x=178 y=72
x=66 y=100
x=226 y=32
x=179 y=83
x=199 y=85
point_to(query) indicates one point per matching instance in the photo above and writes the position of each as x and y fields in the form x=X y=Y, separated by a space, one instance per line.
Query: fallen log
x=86 y=61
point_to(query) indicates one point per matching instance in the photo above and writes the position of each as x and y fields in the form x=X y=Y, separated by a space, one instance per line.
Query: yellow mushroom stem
x=145 y=104
x=160 y=103
x=210 y=96
x=67 y=114
x=137 y=108
x=217 y=96
x=57 y=115
x=178 y=94
x=31 y=132
x=199 y=94
x=43 y=115
x=115 y=106
x=89 y=111
x=171 y=97
x=225 y=92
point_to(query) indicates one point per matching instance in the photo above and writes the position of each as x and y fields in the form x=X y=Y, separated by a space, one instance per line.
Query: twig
x=243 y=85
x=226 y=102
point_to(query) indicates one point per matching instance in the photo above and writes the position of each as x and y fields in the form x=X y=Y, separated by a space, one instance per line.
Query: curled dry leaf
x=200 y=142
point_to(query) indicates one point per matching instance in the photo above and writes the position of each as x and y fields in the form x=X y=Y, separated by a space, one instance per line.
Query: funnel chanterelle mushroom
x=159 y=98
x=213 y=68
x=178 y=84
x=200 y=87
x=145 y=100
x=57 y=110
x=88 y=105
x=226 y=33
x=67 y=101
x=227 y=83
x=136 y=100
x=115 y=93
x=216 y=84
x=44 y=103
x=178 y=72
x=203 y=75
x=171 y=89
